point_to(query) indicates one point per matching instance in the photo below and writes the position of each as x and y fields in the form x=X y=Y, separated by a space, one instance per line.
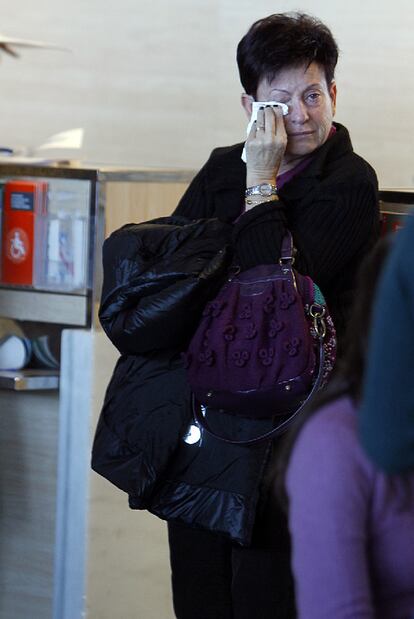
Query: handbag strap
x=202 y=423
x=286 y=251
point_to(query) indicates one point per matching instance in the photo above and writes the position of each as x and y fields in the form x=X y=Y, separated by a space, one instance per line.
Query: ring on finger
x=260 y=127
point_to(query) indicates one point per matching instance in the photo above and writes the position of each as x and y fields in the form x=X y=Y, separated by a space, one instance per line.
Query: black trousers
x=212 y=578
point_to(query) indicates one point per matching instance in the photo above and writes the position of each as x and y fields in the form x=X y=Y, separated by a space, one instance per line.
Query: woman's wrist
x=257 y=179
x=259 y=190
x=252 y=201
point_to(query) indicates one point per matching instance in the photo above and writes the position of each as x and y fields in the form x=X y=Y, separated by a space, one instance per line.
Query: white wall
x=155 y=83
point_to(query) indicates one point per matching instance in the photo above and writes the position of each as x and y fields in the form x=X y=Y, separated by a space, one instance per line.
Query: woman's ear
x=332 y=94
x=247 y=101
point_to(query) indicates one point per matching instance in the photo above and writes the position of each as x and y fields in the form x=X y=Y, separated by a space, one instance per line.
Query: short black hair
x=284 y=40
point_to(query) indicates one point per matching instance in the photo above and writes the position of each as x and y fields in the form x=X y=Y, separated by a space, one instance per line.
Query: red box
x=392 y=222
x=23 y=202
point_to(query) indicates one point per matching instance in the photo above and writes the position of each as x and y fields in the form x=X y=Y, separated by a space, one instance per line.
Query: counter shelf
x=29 y=380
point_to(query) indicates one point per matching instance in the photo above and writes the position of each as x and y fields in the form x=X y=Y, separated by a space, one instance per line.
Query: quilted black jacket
x=157 y=278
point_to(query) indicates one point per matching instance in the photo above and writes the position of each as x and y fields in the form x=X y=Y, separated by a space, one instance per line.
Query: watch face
x=265 y=189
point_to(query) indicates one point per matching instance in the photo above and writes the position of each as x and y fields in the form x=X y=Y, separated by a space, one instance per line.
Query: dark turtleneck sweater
x=331 y=208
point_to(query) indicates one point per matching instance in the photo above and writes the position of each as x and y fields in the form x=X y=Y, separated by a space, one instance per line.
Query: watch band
x=264 y=190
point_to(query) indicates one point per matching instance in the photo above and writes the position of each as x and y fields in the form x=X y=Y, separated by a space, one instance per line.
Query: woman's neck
x=288 y=163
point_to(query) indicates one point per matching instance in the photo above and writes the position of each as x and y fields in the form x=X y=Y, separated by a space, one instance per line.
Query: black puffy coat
x=157 y=278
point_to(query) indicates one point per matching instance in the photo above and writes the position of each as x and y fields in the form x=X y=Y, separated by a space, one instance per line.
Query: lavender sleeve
x=328 y=487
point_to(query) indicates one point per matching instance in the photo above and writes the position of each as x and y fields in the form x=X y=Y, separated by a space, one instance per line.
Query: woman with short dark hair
x=320 y=189
x=229 y=544
x=316 y=186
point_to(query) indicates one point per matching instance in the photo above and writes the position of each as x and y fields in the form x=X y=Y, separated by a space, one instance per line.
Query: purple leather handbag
x=264 y=344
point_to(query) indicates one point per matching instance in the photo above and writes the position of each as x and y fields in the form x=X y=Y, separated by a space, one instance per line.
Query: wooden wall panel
x=127 y=572
x=135 y=202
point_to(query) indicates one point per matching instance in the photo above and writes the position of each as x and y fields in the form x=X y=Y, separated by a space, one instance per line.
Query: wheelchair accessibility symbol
x=17 y=245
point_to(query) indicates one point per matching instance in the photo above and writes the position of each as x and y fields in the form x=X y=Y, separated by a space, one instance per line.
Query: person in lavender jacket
x=352 y=526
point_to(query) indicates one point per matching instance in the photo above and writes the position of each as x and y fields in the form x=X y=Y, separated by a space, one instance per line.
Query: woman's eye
x=313 y=97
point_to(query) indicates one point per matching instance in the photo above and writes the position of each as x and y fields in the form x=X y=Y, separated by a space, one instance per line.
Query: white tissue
x=253 y=117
